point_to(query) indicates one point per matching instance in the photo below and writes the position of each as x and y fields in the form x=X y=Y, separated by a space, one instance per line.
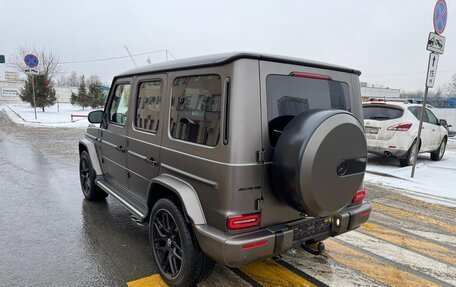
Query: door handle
x=152 y=161
x=120 y=148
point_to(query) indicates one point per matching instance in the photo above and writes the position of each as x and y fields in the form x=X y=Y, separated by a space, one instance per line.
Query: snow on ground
x=53 y=116
x=434 y=180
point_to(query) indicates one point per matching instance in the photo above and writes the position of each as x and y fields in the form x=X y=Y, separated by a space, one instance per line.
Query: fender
x=186 y=194
x=90 y=146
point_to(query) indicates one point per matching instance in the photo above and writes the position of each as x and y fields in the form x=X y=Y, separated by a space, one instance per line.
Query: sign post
x=436 y=45
x=32 y=62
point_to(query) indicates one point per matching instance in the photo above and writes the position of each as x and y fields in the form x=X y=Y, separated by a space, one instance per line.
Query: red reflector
x=243 y=221
x=400 y=127
x=310 y=76
x=362 y=214
x=360 y=195
x=254 y=244
x=392 y=146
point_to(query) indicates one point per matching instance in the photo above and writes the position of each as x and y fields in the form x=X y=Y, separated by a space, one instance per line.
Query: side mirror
x=96 y=117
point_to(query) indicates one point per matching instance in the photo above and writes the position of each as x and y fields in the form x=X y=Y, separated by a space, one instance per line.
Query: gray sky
x=384 y=39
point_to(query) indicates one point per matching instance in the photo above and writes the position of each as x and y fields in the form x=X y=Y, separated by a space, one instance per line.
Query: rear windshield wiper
x=375 y=118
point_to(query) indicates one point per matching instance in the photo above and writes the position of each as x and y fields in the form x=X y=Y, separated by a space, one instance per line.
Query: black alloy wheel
x=167 y=245
x=87 y=177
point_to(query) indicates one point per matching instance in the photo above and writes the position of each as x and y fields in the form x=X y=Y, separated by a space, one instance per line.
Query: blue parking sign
x=440 y=16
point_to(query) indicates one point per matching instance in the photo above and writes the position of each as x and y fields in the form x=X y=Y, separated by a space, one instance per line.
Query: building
x=374 y=92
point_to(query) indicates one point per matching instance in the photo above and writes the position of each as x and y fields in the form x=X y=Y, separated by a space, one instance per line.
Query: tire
x=170 y=238
x=87 y=177
x=319 y=161
x=438 y=154
x=408 y=159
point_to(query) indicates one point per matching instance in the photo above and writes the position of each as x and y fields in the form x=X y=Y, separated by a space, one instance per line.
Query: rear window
x=290 y=96
x=381 y=113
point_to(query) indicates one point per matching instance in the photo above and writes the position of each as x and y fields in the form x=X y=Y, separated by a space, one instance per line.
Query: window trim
x=170 y=110
x=136 y=104
x=111 y=98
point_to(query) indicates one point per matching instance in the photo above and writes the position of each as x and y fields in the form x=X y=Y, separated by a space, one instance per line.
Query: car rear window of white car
x=381 y=113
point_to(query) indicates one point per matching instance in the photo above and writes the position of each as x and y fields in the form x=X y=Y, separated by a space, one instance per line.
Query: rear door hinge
x=260 y=155
x=259 y=204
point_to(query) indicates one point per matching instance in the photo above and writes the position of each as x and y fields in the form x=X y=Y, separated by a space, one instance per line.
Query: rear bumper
x=397 y=147
x=238 y=250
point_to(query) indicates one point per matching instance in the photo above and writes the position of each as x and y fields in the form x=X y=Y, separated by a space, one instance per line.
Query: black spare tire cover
x=319 y=161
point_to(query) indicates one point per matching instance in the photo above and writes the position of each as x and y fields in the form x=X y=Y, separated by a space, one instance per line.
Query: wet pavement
x=51 y=236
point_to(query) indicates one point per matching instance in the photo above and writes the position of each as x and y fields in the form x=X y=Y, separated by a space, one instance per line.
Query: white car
x=391 y=129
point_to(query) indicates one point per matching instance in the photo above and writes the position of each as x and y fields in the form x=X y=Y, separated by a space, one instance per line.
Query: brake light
x=310 y=76
x=360 y=195
x=400 y=127
x=243 y=221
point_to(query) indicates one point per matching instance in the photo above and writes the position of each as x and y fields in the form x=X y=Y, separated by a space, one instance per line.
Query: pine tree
x=83 y=100
x=96 y=95
x=74 y=98
x=44 y=91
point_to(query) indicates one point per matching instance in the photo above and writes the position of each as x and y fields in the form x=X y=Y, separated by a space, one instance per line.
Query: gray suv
x=230 y=158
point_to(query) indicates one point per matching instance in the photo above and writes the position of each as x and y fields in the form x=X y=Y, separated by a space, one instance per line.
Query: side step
x=137 y=220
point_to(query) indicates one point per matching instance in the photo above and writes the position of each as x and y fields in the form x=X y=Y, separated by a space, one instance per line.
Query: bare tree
x=49 y=62
x=451 y=90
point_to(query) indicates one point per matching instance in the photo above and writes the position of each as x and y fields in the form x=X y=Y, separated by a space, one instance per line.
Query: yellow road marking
x=151 y=281
x=424 y=204
x=409 y=242
x=372 y=267
x=411 y=216
x=270 y=273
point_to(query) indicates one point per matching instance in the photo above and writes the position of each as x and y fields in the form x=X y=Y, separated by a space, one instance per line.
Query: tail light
x=400 y=127
x=310 y=76
x=243 y=221
x=360 y=195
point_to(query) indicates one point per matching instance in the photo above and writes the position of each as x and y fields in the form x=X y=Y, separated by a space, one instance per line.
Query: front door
x=145 y=134
x=113 y=136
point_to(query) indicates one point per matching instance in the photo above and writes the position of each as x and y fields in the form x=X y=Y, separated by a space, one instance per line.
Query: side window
x=416 y=111
x=148 y=106
x=432 y=118
x=195 y=109
x=119 y=104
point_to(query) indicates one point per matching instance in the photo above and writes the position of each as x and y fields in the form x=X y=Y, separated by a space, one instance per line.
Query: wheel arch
x=182 y=193
x=89 y=147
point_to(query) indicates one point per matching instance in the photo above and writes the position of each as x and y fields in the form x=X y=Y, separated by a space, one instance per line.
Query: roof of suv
x=224 y=58
x=392 y=104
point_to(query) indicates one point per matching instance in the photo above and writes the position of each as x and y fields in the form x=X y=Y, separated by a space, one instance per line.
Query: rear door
x=145 y=134
x=426 y=130
x=287 y=90
x=113 y=135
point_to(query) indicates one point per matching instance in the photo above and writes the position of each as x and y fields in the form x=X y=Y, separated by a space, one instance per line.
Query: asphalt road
x=51 y=236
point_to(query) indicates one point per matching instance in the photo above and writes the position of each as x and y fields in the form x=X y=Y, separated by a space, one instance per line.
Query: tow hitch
x=314 y=248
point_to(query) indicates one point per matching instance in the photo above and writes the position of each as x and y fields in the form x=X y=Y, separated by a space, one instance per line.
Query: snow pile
x=435 y=179
x=54 y=116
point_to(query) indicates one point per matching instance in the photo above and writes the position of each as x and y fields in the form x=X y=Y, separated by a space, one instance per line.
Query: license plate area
x=310 y=228
x=371 y=130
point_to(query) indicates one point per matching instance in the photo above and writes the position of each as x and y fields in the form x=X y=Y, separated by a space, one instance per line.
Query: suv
x=230 y=158
x=392 y=130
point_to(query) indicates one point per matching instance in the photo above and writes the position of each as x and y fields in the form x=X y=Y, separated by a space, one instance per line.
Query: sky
x=385 y=39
